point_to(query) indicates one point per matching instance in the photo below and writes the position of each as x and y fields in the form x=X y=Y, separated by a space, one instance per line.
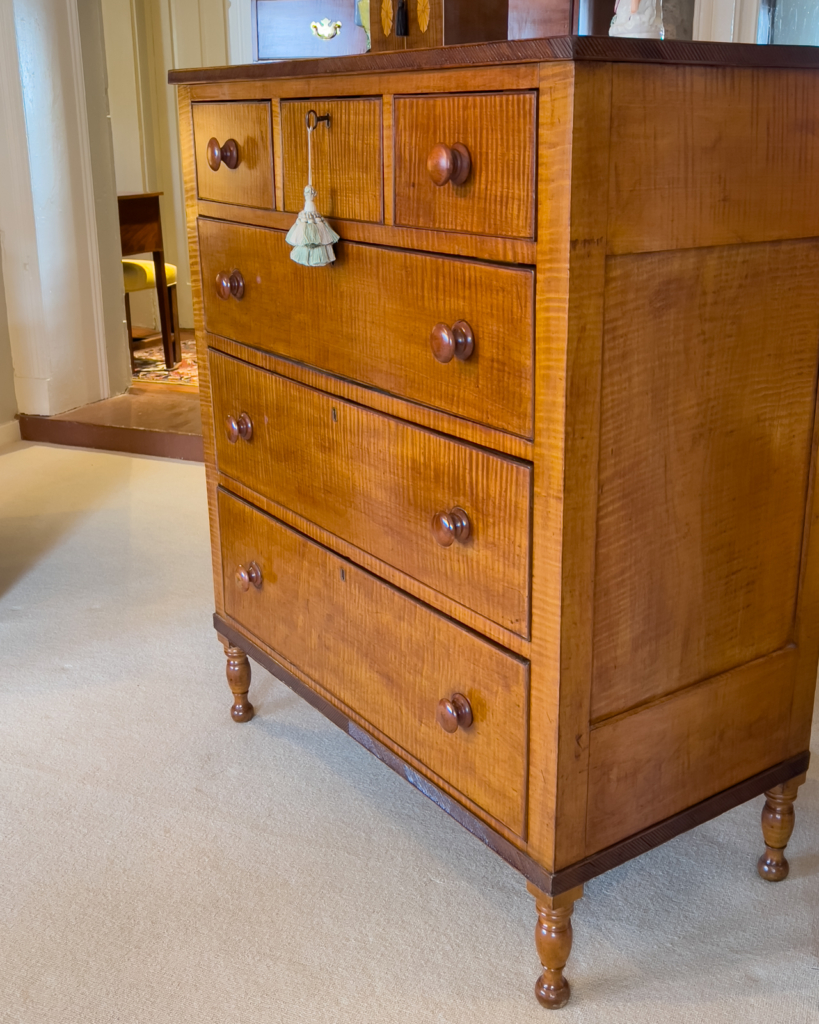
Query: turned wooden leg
x=238 y=677
x=777 y=826
x=553 y=938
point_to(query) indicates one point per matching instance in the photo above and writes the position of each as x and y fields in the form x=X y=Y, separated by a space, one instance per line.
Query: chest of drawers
x=520 y=490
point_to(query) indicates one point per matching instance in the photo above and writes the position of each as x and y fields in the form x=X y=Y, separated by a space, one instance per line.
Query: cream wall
x=63 y=308
x=144 y=39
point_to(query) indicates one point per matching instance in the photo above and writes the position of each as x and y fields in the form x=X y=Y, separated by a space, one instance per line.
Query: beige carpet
x=163 y=864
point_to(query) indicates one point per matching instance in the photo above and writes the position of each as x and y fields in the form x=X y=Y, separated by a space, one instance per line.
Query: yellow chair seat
x=140 y=274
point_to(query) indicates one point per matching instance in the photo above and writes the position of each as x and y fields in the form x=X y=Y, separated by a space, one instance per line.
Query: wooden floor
x=150 y=419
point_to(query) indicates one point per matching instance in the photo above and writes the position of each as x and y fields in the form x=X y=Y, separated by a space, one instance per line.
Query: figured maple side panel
x=339 y=624
x=709 y=377
x=248 y=124
x=712 y=156
x=346 y=157
x=377 y=482
x=646 y=766
x=354 y=319
x=498 y=197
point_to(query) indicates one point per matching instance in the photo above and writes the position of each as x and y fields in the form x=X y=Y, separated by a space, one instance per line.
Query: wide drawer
x=497 y=131
x=371 y=316
x=378 y=483
x=250 y=181
x=346 y=157
x=384 y=655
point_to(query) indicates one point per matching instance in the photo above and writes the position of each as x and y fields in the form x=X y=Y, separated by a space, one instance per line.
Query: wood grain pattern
x=378 y=567
x=251 y=182
x=502 y=250
x=492 y=833
x=370 y=332
x=655 y=762
x=424 y=416
x=584 y=343
x=778 y=819
x=498 y=56
x=709 y=376
x=346 y=157
x=498 y=130
x=433 y=36
x=337 y=624
x=551 y=319
x=377 y=483
x=467 y=79
x=738 y=161
x=186 y=145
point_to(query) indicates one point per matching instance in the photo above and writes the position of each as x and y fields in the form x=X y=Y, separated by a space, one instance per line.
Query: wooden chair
x=140 y=228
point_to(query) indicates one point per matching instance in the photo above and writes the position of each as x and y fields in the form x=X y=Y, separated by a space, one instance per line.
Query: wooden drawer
x=250 y=183
x=370 y=316
x=498 y=131
x=377 y=483
x=338 y=624
x=346 y=157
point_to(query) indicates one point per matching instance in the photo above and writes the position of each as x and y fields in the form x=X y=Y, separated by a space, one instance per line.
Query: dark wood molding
x=109 y=438
x=517 y=51
x=567 y=878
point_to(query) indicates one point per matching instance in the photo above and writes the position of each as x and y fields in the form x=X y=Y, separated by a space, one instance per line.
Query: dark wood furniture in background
x=140 y=227
x=283 y=27
x=520 y=492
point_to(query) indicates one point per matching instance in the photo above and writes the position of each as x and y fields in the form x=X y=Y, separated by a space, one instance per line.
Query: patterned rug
x=150 y=364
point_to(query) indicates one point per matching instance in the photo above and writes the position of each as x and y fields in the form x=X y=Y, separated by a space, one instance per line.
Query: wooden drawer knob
x=227 y=154
x=457 y=341
x=455 y=712
x=247 y=575
x=228 y=284
x=450 y=526
x=238 y=427
x=449 y=163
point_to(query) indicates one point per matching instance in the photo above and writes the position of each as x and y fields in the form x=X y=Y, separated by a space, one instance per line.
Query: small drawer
x=241 y=173
x=390 y=489
x=338 y=624
x=346 y=158
x=372 y=316
x=488 y=141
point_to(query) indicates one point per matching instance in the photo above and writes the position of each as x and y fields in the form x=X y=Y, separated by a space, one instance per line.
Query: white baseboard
x=9 y=432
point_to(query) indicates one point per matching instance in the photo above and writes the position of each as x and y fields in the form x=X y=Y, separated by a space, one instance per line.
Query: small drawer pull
x=230 y=284
x=457 y=341
x=449 y=164
x=246 y=576
x=227 y=154
x=236 y=428
x=454 y=713
x=450 y=526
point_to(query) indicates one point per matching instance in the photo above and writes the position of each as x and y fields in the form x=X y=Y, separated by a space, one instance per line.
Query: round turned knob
x=228 y=284
x=227 y=154
x=457 y=711
x=450 y=526
x=236 y=427
x=449 y=163
x=247 y=575
x=457 y=341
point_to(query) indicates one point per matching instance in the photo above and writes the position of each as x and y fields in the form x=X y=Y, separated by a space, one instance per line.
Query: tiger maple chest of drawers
x=520 y=490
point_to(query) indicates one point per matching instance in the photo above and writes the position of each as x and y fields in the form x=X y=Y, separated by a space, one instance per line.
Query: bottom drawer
x=383 y=654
